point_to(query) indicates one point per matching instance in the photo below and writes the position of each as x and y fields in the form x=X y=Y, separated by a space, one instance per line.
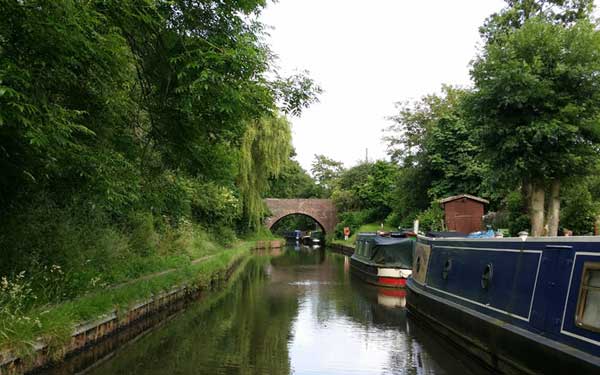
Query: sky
x=366 y=56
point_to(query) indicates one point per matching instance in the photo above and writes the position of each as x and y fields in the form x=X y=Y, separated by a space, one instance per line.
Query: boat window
x=588 y=304
x=418 y=264
x=447 y=268
x=486 y=277
x=367 y=249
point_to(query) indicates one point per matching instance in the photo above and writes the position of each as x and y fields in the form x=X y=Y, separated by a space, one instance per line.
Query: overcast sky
x=367 y=55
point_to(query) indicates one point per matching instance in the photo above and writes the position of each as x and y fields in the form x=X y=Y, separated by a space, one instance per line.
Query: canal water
x=296 y=311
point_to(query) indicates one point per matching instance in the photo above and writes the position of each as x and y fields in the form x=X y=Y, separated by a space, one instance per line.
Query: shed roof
x=472 y=197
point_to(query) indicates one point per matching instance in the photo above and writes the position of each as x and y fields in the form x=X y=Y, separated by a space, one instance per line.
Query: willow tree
x=265 y=149
x=536 y=98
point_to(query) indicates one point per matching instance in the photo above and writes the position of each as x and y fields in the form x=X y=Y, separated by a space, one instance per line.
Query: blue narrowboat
x=522 y=305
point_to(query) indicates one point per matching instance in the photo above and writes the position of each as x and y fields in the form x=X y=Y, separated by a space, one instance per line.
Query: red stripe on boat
x=392 y=281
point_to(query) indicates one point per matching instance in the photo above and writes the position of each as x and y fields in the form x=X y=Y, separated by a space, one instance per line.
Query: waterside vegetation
x=136 y=137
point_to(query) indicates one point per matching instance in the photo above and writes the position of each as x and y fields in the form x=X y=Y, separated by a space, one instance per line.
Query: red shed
x=463 y=213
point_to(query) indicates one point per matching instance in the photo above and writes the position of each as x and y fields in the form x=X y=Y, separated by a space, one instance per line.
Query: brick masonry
x=321 y=210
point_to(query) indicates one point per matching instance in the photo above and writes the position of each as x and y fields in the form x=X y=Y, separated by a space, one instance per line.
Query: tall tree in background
x=535 y=101
x=325 y=171
x=436 y=147
x=293 y=182
x=517 y=12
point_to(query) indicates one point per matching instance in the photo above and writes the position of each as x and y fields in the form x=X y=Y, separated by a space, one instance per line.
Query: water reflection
x=297 y=312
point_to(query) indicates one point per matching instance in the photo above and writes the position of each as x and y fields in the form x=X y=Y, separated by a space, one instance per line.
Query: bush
x=431 y=219
x=143 y=239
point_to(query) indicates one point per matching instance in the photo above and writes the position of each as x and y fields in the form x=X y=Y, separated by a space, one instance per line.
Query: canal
x=295 y=311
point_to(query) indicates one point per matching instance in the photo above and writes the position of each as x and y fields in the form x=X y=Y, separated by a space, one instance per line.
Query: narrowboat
x=383 y=261
x=522 y=305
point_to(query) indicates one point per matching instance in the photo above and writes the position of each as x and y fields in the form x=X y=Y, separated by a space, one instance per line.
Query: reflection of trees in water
x=369 y=307
x=248 y=328
x=246 y=331
x=304 y=255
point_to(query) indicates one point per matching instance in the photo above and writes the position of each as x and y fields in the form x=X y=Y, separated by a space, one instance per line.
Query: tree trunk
x=536 y=205
x=554 y=208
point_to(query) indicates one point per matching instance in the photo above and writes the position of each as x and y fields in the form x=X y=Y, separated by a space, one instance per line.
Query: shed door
x=466 y=223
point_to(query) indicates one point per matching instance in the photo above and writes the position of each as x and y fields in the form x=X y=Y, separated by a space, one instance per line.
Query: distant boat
x=522 y=305
x=383 y=261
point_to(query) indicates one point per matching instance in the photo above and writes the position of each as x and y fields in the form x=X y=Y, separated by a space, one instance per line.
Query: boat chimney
x=523 y=234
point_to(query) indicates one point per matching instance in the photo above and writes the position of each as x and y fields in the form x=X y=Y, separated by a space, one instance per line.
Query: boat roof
x=525 y=239
x=388 y=241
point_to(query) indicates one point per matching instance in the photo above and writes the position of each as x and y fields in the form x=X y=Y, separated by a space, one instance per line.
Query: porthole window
x=486 y=276
x=588 y=303
x=446 y=269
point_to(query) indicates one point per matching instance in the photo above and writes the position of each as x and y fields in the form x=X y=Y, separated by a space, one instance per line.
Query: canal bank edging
x=91 y=333
x=344 y=249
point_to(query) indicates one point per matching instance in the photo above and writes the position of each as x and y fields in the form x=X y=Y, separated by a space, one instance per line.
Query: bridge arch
x=274 y=223
x=320 y=210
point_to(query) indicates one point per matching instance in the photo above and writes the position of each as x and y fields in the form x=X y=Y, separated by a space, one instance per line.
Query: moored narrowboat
x=522 y=305
x=383 y=261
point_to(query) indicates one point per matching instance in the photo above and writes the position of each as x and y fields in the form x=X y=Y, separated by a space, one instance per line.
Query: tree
x=517 y=12
x=433 y=137
x=292 y=182
x=265 y=149
x=535 y=104
x=367 y=186
x=325 y=171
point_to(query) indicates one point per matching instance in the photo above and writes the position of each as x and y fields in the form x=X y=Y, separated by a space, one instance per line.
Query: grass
x=369 y=227
x=54 y=324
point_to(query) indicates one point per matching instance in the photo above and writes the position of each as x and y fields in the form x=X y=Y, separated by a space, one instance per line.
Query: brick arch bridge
x=321 y=210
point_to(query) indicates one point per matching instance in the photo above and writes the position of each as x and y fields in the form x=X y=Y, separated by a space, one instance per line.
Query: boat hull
x=377 y=275
x=519 y=304
x=501 y=346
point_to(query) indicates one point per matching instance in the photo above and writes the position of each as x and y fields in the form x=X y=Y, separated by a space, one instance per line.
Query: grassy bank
x=54 y=324
x=369 y=227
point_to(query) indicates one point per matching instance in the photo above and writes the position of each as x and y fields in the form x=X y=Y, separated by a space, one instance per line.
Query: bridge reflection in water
x=300 y=312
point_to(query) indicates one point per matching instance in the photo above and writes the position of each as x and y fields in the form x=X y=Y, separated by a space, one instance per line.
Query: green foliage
x=534 y=102
x=134 y=136
x=518 y=12
x=325 y=171
x=518 y=220
x=438 y=151
x=364 y=194
x=293 y=222
x=354 y=220
x=408 y=198
x=431 y=219
x=367 y=186
x=292 y=182
x=55 y=323
x=265 y=149
x=581 y=206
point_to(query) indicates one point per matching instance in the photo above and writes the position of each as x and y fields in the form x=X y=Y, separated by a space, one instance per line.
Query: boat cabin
x=388 y=251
